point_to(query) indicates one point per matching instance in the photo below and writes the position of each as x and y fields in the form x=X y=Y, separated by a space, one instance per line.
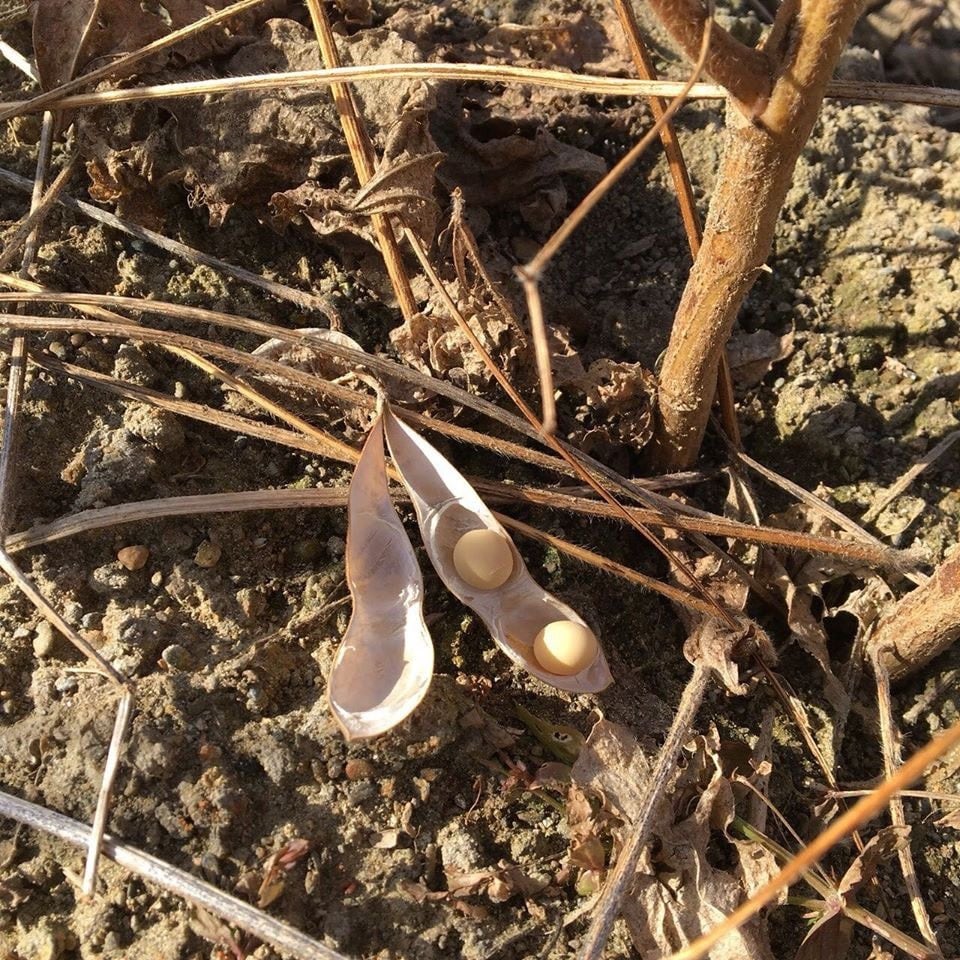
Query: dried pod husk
x=384 y=664
x=447 y=507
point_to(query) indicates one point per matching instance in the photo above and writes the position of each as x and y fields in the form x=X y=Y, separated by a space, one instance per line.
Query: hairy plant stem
x=755 y=174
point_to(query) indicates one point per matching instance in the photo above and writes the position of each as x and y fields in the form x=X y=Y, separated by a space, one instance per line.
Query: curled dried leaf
x=516 y=609
x=714 y=644
x=385 y=661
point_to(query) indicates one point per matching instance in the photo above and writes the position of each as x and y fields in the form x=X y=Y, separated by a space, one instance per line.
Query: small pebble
x=359 y=769
x=65 y=684
x=58 y=349
x=177 y=657
x=336 y=547
x=108 y=578
x=44 y=640
x=252 y=602
x=207 y=554
x=307 y=550
x=133 y=557
x=358 y=792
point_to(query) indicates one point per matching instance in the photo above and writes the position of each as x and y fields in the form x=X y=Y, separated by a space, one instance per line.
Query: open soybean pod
x=485 y=571
x=384 y=664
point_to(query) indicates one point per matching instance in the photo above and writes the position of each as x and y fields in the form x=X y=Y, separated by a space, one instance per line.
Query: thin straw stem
x=17 y=369
x=493 y=73
x=364 y=160
x=892 y=758
x=43 y=100
x=110 y=767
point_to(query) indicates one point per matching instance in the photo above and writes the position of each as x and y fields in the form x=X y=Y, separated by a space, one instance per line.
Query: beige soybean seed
x=565 y=648
x=483 y=559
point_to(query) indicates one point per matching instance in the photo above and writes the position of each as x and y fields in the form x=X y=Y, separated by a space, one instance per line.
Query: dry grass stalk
x=196 y=504
x=892 y=758
x=364 y=160
x=43 y=100
x=343 y=396
x=820 y=882
x=803 y=47
x=360 y=359
x=17 y=369
x=922 y=625
x=820 y=505
x=31 y=222
x=930 y=457
x=178 y=882
x=609 y=566
x=531 y=272
x=110 y=766
x=487 y=72
x=17 y=59
x=104 y=668
x=855 y=553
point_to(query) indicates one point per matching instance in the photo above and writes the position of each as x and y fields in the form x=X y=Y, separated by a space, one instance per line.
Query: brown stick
x=923 y=624
x=663 y=772
x=755 y=175
x=364 y=159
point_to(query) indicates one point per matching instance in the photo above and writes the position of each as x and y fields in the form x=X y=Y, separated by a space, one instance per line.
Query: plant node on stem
x=746 y=73
x=804 y=44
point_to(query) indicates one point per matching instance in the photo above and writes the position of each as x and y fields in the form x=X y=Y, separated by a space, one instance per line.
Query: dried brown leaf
x=577 y=43
x=722 y=648
x=806 y=627
x=497 y=160
x=60 y=36
x=950 y=818
x=69 y=34
x=616 y=415
x=613 y=766
x=679 y=894
x=682 y=896
x=828 y=939
x=881 y=846
x=751 y=355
